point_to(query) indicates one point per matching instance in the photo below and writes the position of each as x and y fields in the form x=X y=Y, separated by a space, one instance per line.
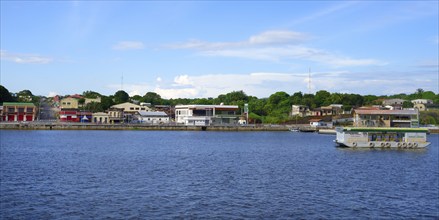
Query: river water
x=210 y=175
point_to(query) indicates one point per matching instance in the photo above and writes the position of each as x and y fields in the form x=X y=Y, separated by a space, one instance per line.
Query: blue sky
x=203 y=49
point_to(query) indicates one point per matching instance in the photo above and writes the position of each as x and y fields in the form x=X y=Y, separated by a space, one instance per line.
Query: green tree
x=407 y=104
x=296 y=98
x=91 y=94
x=106 y=102
x=5 y=95
x=121 y=97
x=153 y=98
x=322 y=98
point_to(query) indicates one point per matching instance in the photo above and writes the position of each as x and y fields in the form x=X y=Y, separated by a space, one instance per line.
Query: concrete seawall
x=79 y=126
x=88 y=126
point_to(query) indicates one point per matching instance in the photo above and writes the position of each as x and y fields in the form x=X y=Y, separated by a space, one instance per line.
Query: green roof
x=385 y=129
x=18 y=104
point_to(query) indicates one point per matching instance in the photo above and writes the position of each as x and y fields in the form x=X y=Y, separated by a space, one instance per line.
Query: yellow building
x=69 y=103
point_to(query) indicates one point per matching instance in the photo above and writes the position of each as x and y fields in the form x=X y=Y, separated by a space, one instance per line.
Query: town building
x=69 y=103
x=205 y=115
x=154 y=118
x=73 y=115
x=90 y=100
x=299 y=110
x=115 y=115
x=19 y=111
x=68 y=115
x=130 y=108
x=100 y=118
x=386 y=118
x=422 y=104
x=394 y=104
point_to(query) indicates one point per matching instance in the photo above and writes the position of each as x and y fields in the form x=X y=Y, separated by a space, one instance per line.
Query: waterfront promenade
x=54 y=125
x=175 y=127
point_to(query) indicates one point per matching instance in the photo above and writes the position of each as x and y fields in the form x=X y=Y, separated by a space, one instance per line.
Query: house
x=100 y=118
x=299 y=110
x=68 y=115
x=19 y=111
x=69 y=103
x=422 y=104
x=386 y=118
x=394 y=104
x=115 y=115
x=154 y=118
x=90 y=100
x=205 y=115
x=73 y=115
x=327 y=111
x=130 y=108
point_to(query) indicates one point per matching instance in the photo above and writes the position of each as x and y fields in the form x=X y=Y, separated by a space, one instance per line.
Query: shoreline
x=173 y=127
x=133 y=127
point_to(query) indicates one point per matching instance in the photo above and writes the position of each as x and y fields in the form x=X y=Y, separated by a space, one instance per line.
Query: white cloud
x=177 y=92
x=159 y=79
x=263 y=84
x=128 y=45
x=277 y=37
x=182 y=80
x=52 y=94
x=275 y=46
x=267 y=38
x=24 y=58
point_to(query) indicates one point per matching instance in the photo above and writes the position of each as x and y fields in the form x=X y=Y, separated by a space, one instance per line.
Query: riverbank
x=173 y=127
x=89 y=126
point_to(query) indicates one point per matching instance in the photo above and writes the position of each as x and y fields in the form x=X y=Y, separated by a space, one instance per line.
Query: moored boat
x=373 y=137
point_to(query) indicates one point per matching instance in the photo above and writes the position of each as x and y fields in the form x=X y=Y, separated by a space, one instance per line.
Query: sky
x=201 y=49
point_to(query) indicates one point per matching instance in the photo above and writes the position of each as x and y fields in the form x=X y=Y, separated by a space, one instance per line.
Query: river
x=210 y=175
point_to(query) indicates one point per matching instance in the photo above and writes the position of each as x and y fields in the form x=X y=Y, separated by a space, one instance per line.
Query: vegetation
x=274 y=109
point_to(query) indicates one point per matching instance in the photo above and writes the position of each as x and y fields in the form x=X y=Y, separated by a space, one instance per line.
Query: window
x=137 y=108
x=11 y=110
x=21 y=110
x=131 y=108
x=30 y=110
x=142 y=108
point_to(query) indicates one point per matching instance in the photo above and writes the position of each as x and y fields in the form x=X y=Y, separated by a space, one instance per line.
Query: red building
x=19 y=111
x=73 y=115
x=68 y=115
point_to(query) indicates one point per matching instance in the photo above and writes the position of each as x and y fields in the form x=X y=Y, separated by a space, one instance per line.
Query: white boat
x=368 y=137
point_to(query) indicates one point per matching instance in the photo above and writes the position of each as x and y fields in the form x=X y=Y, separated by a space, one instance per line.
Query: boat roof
x=385 y=129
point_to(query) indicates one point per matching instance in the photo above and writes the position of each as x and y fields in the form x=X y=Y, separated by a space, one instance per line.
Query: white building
x=154 y=118
x=130 y=108
x=299 y=110
x=204 y=115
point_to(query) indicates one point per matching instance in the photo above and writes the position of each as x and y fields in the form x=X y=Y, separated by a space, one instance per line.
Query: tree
x=322 y=98
x=407 y=104
x=91 y=94
x=5 y=96
x=106 y=102
x=121 y=97
x=419 y=93
x=153 y=98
